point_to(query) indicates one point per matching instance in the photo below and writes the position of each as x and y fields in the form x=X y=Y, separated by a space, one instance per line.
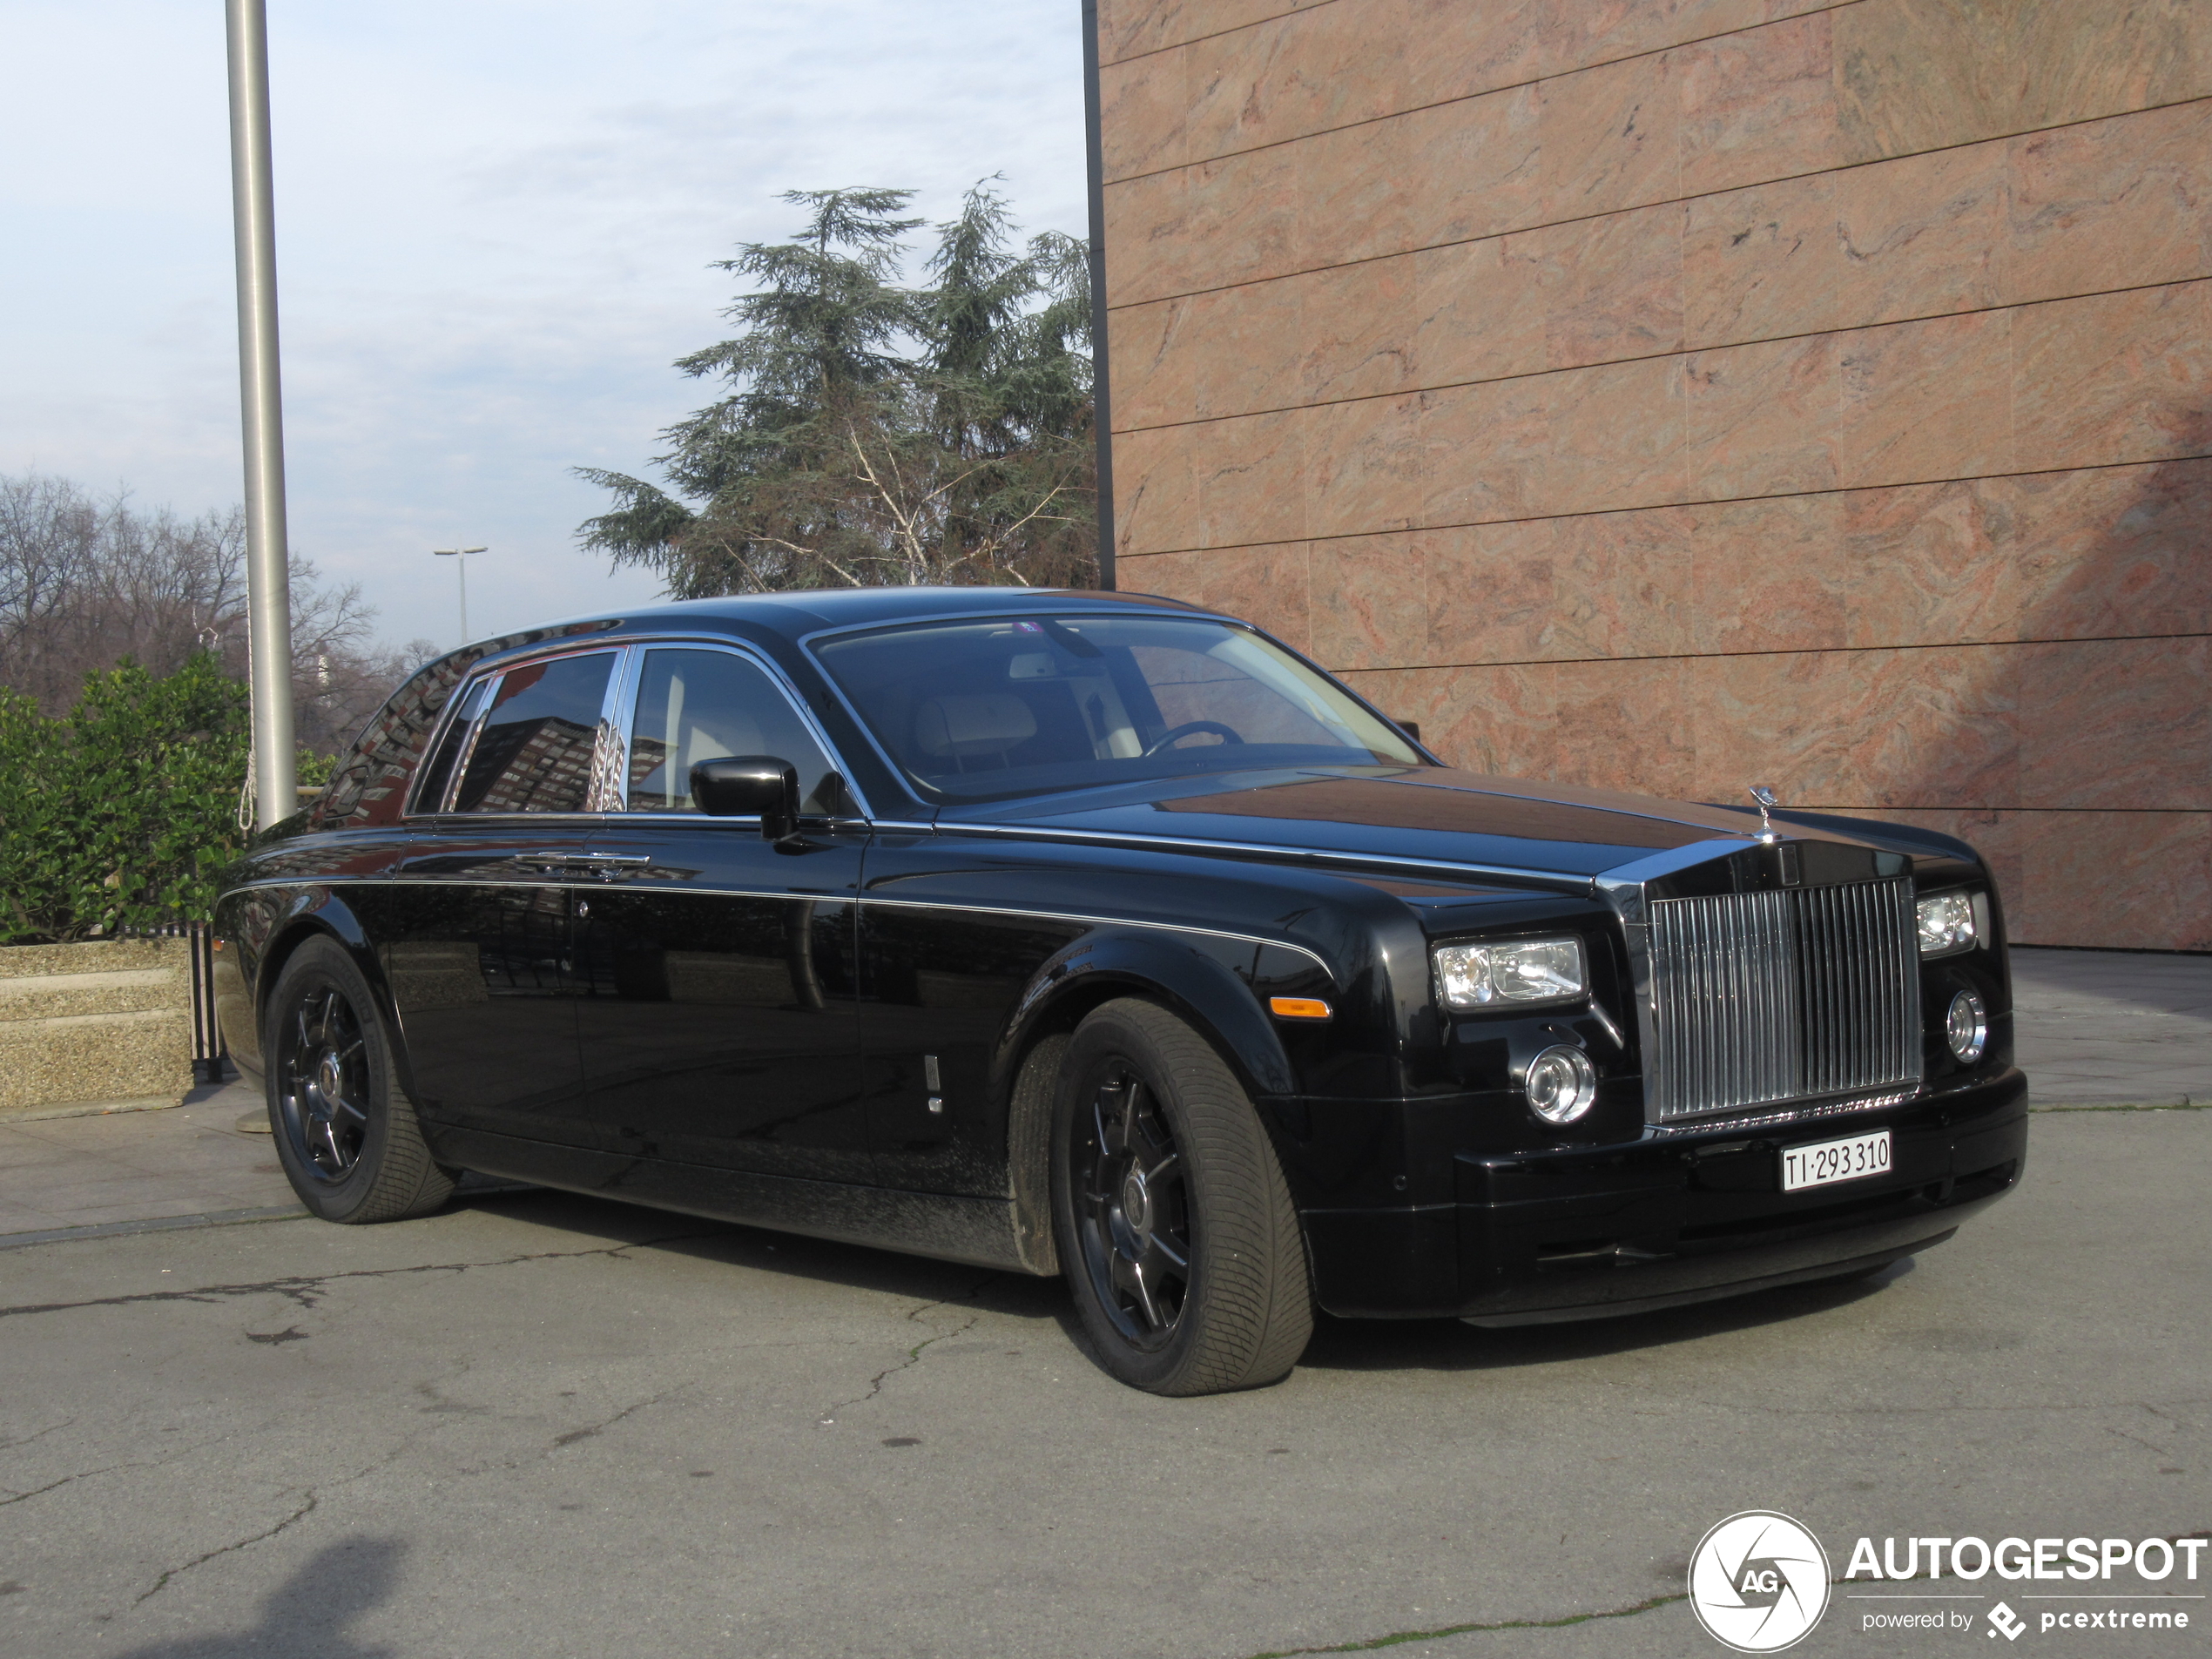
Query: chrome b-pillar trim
x=1622 y=889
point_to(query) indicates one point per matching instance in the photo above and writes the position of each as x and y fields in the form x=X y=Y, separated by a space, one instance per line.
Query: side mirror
x=744 y=786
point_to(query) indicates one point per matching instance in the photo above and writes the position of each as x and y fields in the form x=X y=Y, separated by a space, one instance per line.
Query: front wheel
x=1175 y=1225
x=346 y=1133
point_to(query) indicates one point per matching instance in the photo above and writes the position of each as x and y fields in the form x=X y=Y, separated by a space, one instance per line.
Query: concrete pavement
x=536 y=1424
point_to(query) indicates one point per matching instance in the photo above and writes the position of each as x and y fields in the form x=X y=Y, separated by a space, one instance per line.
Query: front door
x=718 y=1019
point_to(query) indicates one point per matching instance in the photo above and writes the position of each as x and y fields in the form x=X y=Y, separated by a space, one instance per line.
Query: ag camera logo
x=1758 y=1582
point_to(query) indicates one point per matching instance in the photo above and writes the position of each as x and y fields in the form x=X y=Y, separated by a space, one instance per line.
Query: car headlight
x=1947 y=923
x=1521 y=972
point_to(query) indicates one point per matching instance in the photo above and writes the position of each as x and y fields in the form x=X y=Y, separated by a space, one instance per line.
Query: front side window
x=984 y=711
x=695 y=705
x=534 y=754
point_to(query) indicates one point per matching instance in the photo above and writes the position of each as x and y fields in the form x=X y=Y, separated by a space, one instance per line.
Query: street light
x=459 y=556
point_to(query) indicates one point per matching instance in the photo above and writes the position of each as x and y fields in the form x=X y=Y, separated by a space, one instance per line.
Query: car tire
x=1174 y=1223
x=346 y=1133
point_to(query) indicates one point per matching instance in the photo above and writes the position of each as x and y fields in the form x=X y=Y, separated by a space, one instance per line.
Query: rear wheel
x=347 y=1135
x=1175 y=1225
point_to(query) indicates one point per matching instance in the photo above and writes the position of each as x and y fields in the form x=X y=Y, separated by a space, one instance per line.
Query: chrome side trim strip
x=1550 y=880
x=602 y=886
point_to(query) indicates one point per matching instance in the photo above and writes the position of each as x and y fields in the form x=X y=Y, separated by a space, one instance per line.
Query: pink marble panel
x=1249 y=476
x=2114 y=377
x=1360 y=330
x=1244 y=216
x=1762 y=418
x=1304 y=72
x=1931 y=564
x=1499 y=720
x=2122 y=881
x=2111 y=550
x=2116 y=724
x=1616 y=436
x=2113 y=204
x=1922 y=235
x=1152 y=350
x=1155 y=496
x=1612 y=286
x=1475 y=318
x=1369 y=467
x=1926 y=400
x=1768 y=576
x=1266 y=585
x=1370 y=610
x=1143 y=114
x=1578 y=34
x=1485 y=451
x=1590 y=585
x=1761 y=263
x=1149 y=236
x=1612 y=137
x=1466 y=49
x=1758 y=104
x=1244 y=347
x=1477 y=166
x=1877 y=729
x=1127 y=28
x=1358 y=194
x=1915 y=77
x=1620 y=725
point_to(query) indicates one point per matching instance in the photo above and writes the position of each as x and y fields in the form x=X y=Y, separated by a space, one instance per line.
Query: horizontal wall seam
x=1442 y=103
x=1664 y=201
x=1783 y=650
x=1657 y=356
x=1658 y=507
x=2020 y=812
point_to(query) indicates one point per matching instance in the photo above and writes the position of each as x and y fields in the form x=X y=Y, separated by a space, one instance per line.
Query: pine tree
x=873 y=435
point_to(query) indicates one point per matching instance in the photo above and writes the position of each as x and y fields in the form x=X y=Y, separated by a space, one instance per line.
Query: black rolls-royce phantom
x=1098 y=935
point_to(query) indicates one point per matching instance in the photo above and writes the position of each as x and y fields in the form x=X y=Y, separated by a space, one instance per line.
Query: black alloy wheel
x=322 y=1082
x=1133 y=1210
x=346 y=1134
x=1174 y=1225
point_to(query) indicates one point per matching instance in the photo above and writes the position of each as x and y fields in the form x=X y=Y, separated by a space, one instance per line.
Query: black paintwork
x=687 y=1014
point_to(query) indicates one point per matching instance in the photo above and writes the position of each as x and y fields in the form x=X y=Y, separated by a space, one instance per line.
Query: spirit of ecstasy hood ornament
x=1766 y=799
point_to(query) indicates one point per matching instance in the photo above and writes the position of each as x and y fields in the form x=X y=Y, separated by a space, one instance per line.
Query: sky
x=494 y=222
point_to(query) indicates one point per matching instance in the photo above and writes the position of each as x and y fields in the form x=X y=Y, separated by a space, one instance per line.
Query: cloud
x=494 y=223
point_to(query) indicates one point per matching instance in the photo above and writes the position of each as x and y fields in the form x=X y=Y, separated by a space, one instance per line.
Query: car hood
x=1424 y=814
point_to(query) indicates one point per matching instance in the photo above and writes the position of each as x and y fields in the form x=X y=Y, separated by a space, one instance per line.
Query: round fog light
x=1562 y=1085
x=1967 y=1027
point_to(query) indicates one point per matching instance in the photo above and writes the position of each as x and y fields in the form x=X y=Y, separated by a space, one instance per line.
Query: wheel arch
x=1194 y=977
x=320 y=914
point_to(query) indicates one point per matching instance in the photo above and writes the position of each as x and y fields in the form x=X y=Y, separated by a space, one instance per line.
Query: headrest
x=973 y=726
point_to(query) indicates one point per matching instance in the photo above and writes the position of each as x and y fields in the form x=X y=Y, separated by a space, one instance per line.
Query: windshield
x=986 y=711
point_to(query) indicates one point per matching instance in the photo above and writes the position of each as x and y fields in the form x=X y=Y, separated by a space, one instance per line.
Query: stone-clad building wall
x=1679 y=395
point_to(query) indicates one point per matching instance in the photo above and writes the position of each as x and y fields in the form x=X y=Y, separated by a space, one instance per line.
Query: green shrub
x=122 y=813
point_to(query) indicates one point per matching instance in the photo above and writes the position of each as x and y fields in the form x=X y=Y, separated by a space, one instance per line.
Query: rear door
x=476 y=934
x=718 y=1019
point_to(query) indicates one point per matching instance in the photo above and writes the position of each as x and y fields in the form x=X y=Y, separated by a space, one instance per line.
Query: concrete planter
x=92 y=1028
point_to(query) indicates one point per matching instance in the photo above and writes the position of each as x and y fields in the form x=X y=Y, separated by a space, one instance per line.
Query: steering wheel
x=1190 y=728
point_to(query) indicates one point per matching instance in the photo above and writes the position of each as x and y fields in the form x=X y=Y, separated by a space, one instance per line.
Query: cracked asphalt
x=543 y=1425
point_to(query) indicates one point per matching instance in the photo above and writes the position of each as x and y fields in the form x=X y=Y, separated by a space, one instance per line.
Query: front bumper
x=1588 y=1231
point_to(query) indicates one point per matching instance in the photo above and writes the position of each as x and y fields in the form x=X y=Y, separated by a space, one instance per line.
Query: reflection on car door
x=474 y=931
x=718 y=1020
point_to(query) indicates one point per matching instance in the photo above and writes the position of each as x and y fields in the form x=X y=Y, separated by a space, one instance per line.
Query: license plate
x=1827 y=1162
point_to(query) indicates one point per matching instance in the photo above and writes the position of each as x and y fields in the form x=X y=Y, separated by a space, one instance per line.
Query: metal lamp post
x=459 y=556
x=261 y=406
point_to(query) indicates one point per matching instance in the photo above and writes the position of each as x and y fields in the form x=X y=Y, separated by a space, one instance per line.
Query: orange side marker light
x=1298 y=1008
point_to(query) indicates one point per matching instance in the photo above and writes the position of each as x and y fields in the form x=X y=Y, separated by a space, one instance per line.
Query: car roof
x=797 y=614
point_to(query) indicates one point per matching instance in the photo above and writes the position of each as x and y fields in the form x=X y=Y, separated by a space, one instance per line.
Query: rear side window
x=695 y=705
x=534 y=752
x=430 y=794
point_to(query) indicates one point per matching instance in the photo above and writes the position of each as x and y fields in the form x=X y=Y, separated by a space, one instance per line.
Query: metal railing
x=208 y=1053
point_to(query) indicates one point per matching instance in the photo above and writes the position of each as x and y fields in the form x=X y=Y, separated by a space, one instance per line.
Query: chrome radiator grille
x=1796 y=993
